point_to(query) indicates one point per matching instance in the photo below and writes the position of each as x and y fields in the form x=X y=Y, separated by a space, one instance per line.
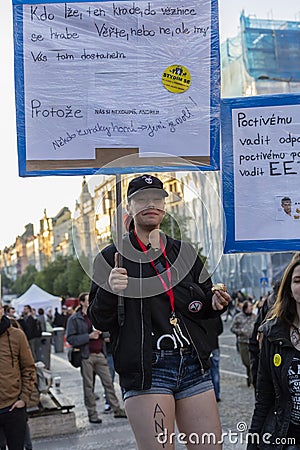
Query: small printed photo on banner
x=287 y=209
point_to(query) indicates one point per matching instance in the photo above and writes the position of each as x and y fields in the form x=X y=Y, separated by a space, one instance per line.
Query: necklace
x=295 y=335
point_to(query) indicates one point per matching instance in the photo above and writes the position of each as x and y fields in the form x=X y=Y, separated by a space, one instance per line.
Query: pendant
x=174 y=322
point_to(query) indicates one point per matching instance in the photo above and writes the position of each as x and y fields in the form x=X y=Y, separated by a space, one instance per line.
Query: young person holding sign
x=160 y=350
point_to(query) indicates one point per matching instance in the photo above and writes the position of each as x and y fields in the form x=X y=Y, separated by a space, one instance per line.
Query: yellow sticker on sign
x=176 y=79
x=277 y=360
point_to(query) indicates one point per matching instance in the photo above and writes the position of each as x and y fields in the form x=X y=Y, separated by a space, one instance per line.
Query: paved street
x=235 y=408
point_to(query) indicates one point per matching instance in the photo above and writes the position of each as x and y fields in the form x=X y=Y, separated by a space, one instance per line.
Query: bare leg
x=198 y=418
x=152 y=418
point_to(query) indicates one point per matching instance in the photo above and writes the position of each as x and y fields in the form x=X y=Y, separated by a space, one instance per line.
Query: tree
x=63 y=277
x=50 y=273
x=25 y=281
x=60 y=285
x=76 y=276
x=177 y=227
x=85 y=284
x=6 y=282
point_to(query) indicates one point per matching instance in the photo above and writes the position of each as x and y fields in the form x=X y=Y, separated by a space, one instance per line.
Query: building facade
x=262 y=59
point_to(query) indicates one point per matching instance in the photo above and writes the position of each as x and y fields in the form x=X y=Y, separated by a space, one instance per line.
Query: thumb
x=116 y=259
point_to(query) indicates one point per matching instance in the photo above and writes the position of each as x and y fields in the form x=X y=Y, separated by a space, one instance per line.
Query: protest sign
x=261 y=173
x=99 y=80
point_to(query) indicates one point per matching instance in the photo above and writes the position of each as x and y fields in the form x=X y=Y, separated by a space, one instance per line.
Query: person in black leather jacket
x=160 y=349
x=276 y=418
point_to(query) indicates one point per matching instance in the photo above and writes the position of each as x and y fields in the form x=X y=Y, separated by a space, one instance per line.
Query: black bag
x=74 y=356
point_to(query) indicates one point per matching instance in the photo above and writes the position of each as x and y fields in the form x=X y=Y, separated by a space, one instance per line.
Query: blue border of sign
x=231 y=245
x=20 y=105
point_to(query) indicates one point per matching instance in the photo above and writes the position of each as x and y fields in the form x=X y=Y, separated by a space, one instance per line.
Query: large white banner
x=261 y=172
x=116 y=75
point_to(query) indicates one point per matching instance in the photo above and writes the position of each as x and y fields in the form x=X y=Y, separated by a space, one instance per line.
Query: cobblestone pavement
x=236 y=407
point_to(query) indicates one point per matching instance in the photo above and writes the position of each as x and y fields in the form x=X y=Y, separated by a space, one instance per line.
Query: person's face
x=295 y=284
x=1 y=310
x=287 y=206
x=249 y=309
x=85 y=304
x=26 y=310
x=147 y=208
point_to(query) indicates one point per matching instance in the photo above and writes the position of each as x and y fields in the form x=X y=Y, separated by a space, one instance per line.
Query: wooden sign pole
x=119 y=227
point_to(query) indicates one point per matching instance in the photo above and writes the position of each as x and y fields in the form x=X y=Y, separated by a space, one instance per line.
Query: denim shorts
x=177 y=373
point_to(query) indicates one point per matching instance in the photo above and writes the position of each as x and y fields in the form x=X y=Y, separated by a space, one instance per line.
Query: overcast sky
x=24 y=199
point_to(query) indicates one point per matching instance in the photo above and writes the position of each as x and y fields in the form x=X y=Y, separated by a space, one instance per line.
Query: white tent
x=37 y=298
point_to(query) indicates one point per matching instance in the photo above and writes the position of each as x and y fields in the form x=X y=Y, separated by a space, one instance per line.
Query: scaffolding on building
x=271 y=48
x=262 y=59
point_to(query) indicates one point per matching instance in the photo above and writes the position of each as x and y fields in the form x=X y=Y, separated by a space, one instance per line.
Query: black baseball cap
x=145 y=182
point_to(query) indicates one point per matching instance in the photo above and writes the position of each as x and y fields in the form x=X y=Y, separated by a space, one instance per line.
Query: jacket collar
x=276 y=330
x=79 y=314
x=130 y=240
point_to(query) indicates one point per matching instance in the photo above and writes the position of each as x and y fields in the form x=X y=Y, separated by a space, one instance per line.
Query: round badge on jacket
x=277 y=360
x=195 y=306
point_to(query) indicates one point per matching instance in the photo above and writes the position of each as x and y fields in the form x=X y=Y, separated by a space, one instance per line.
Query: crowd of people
x=23 y=343
x=34 y=322
x=81 y=334
x=154 y=317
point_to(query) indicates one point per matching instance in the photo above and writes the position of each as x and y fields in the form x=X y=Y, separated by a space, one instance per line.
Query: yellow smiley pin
x=277 y=360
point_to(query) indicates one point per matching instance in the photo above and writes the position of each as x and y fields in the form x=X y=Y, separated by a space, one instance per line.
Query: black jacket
x=214 y=328
x=273 y=400
x=31 y=327
x=132 y=343
x=253 y=342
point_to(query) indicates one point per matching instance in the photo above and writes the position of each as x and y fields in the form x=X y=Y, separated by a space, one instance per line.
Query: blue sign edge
x=20 y=104
x=231 y=245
